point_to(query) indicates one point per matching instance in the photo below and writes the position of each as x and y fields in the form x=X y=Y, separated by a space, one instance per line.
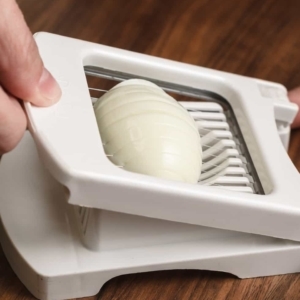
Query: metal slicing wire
x=201 y=135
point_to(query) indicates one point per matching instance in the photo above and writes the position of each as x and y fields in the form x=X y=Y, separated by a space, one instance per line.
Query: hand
x=294 y=96
x=22 y=75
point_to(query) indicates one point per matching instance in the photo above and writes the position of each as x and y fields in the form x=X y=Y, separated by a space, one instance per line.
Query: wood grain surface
x=249 y=37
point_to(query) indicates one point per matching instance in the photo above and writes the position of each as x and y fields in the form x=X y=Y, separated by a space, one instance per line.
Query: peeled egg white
x=147 y=131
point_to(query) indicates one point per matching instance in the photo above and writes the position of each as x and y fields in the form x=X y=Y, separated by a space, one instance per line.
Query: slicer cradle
x=41 y=242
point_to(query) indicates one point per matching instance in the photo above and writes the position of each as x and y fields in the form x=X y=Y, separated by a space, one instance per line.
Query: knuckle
x=12 y=122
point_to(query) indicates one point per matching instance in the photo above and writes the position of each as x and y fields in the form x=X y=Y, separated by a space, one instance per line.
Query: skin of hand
x=23 y=76
x=294 y=96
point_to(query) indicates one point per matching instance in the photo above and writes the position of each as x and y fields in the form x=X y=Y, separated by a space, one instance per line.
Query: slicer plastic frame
x=77 y=160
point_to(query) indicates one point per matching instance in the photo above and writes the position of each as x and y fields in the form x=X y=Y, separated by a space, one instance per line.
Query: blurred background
x=250 y=37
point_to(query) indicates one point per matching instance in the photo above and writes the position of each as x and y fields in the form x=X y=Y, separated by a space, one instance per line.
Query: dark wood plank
x=252 y=38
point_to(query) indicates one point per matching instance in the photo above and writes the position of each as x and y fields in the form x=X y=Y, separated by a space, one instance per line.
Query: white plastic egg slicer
x=71 y=219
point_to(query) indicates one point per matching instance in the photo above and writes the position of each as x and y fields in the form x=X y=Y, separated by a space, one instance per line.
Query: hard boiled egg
x=146 y=131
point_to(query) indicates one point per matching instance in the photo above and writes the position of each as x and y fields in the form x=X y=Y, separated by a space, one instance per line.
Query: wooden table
x=249 y=37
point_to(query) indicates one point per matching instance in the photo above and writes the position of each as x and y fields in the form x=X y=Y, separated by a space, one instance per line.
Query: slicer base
x=40 y=239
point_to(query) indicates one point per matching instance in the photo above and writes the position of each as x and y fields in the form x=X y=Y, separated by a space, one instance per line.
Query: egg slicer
x=71 y=219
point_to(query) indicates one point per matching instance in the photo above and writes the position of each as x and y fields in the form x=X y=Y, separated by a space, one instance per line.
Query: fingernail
x=48 y=87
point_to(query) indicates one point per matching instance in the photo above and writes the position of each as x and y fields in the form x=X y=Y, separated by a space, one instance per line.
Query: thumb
x=22 y=73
